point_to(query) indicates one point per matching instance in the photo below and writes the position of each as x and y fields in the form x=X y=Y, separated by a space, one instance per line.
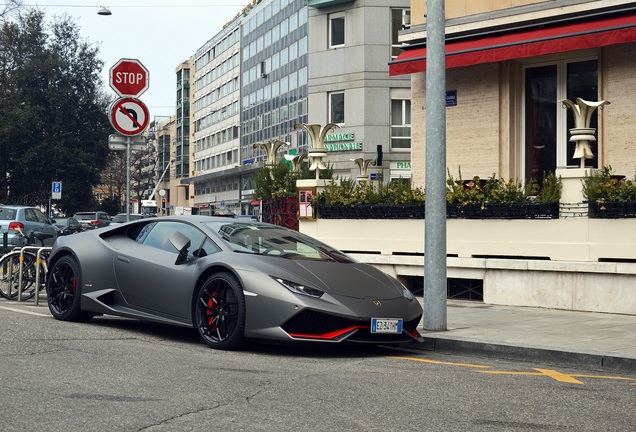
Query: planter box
x=612 y=210
x=524 y=210
x=453 y=211
x=371 y=211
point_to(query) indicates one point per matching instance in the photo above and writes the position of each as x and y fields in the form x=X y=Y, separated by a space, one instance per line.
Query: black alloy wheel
x=220 y=312
x=63 y=289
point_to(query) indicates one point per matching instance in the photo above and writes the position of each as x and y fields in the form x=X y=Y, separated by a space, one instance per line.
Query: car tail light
x=95 y=222
x=18 y=226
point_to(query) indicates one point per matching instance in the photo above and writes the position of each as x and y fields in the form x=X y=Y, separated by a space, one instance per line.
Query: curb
x=527 y=354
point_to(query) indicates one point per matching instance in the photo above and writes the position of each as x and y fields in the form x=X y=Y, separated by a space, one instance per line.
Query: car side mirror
x=181 y=243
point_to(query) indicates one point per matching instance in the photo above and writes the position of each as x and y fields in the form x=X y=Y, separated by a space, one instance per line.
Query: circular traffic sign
x=128 y=77
x=129 y=116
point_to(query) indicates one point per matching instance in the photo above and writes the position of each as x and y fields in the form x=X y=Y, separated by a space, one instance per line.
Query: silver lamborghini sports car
x=233 y=280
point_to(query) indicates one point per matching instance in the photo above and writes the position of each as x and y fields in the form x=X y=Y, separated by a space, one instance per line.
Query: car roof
x=12 y=206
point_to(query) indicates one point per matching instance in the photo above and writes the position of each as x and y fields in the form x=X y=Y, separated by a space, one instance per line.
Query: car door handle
x=123 y=259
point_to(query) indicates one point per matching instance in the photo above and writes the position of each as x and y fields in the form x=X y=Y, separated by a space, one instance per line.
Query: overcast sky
x=159 y=33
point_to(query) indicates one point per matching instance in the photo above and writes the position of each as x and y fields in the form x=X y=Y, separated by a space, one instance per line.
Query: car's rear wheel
x=63 y=289
x=220 y=312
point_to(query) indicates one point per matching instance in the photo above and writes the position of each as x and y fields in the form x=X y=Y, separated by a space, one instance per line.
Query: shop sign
x=401 y=165
x=342 y=142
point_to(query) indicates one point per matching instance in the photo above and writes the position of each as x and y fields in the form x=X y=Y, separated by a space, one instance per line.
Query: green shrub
x=603 y=185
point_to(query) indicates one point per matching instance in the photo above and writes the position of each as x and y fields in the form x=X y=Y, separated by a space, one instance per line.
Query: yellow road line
x=439 y=362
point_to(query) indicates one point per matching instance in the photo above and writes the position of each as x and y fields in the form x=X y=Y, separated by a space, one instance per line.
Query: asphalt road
x=114 y=374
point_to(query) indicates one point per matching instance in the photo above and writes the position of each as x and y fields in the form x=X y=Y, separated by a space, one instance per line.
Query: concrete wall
x=569 y=263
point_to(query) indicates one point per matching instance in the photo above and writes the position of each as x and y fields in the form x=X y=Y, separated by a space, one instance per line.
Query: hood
x=356 y=280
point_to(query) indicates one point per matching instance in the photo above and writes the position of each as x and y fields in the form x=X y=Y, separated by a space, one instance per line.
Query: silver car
x=16 y=218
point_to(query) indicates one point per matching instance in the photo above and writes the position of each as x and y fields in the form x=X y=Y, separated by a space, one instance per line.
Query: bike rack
x=38 y=258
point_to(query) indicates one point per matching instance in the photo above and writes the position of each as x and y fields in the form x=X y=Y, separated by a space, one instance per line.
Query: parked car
x=233 y=281
x=14 y=218
x=248 y=217
x=67 y=225
x=93 y=219
x=121 y=217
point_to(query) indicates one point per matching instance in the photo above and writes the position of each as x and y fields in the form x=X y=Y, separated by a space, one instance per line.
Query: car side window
x=39 y=216
x=159 y=237
x=29 y=215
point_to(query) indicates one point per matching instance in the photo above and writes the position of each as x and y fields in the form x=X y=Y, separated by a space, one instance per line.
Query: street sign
x=129 y=116
x=128 y=77
x=56 y=190
x=119 y=142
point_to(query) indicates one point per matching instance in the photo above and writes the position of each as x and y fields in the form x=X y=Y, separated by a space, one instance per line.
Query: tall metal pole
x=127 y=178
x=435 y=217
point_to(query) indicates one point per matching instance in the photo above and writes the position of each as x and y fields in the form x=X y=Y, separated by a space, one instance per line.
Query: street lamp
x=104 y=11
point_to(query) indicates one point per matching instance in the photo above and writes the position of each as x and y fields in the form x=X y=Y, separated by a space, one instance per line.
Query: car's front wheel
x=220 y=312
x=63 y=290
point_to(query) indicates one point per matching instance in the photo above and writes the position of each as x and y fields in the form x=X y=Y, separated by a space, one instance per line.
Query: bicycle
x=33 y=267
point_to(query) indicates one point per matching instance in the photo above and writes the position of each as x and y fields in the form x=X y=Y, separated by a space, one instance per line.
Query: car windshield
x=264 y=239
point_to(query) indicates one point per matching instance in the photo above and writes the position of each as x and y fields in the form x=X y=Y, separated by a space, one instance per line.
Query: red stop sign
x=128 y=77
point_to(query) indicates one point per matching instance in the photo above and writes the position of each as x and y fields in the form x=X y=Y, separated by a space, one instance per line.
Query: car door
x=146 y=272
x=35 y=220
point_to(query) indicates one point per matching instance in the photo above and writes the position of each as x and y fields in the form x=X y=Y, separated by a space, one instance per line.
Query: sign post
x=129 y=116
x=56 y=190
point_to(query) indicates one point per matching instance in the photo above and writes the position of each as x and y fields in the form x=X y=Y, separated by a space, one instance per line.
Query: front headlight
x=300 y=289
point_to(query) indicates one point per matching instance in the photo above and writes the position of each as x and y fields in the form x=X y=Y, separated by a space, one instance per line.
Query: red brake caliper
x=209 y=313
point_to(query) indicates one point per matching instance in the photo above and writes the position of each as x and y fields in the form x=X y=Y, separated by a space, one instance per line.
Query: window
x=400 y=124
x=336 y=30
x=546 y=124
x=336 y=108
x=400 y=19
x=157 y=235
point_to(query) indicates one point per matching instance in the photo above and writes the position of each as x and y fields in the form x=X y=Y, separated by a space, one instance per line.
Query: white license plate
x=386 y=325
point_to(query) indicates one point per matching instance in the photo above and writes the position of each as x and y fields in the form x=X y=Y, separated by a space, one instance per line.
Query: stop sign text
x=128 y=77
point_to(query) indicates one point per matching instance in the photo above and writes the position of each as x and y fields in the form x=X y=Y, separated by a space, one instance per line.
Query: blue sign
x=451 y=98
x=56 y=190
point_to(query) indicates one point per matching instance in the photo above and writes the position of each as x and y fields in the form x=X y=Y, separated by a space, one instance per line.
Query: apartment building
x=351 y=44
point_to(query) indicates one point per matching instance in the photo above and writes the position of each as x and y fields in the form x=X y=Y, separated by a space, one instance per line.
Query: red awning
x=522 y=44
x=255 y=203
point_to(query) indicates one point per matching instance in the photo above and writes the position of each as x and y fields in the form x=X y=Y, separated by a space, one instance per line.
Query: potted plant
x=609 y=195
x=348 y=199
x=504 y=199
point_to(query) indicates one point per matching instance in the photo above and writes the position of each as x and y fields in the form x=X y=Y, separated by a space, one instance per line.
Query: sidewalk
x=568 y=338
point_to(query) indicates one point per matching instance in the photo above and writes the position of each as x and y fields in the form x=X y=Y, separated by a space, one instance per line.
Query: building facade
x=351 y=43
x=509 y=66
x=216 y=118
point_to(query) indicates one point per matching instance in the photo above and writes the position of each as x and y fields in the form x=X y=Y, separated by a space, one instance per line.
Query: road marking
x=23 y=311
x=439 y=362
x=540 y=372
x=550 y=373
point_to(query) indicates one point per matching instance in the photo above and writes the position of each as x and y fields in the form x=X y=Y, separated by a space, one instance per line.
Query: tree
x=9 y=7
x=53 y=112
